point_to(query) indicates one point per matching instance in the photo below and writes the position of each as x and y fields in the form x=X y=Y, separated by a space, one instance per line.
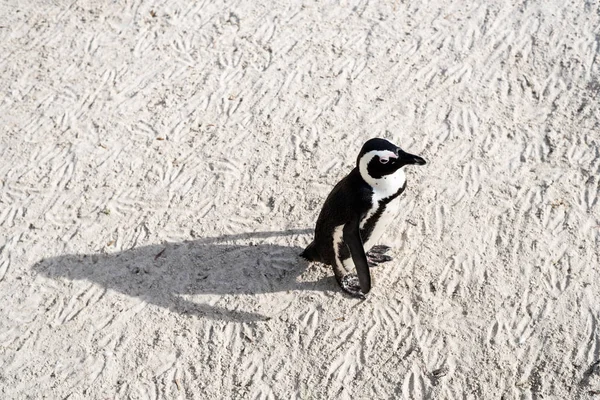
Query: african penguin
x=356 y=213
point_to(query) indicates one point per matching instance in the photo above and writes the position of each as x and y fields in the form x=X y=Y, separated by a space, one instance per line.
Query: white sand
x=163 y=162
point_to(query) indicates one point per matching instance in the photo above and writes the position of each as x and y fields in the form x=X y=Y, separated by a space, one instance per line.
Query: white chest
x=387 y=185
x=382 y=189
x=383 y=222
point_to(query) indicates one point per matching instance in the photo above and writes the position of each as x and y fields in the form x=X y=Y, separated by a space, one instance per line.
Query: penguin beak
x=410 y=159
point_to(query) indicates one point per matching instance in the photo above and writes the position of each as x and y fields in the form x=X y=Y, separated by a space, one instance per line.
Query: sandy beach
x=163 y=163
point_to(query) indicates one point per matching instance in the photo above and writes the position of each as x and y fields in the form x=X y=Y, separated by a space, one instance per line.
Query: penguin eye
x=384 y=160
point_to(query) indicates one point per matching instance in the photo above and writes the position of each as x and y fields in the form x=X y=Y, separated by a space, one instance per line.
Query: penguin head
x=379 y=157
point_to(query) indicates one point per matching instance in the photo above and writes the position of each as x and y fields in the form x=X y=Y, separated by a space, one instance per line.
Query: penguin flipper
x=357 y=251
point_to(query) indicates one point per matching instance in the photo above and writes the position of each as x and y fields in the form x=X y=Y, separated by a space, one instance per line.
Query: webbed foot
x=377 y=255
x=351 y=285
x=379 y=249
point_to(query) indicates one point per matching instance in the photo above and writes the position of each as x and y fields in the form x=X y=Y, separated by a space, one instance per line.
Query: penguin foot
x=376 y=259
x=351 y=285
x=377 y=255
x=379 y=249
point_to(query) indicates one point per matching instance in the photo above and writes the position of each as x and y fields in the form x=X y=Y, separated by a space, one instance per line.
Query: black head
x=379 y=157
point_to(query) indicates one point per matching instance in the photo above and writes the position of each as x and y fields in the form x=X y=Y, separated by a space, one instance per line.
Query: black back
x=350 y=197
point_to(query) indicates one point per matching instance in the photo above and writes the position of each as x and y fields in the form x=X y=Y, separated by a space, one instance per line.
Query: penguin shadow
x=167 y=275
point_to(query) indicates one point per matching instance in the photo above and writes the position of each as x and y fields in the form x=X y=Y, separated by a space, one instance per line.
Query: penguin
x=356 y=213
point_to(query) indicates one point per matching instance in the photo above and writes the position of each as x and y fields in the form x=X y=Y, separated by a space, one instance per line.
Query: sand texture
x=162 y=164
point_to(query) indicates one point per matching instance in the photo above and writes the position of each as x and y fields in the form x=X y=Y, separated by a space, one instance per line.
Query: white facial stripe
x=387 y=185
x=383 y=153
x=384 y=160
x=366 y=159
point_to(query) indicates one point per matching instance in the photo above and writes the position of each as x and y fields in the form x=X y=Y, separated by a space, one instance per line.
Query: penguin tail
x=311 y=253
